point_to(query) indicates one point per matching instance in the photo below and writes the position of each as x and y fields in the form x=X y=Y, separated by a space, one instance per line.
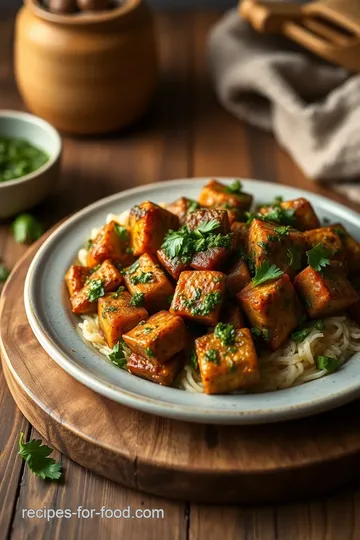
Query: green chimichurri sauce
x=18 y=158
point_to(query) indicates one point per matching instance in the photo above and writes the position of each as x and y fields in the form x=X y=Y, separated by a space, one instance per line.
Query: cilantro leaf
x=318 y=257
x=280 y=215
x=96 y=290
x=37 y=458
x=328 y=363
x=235 y=188
x=207 y=227
x=117 y=356
x=266 y=272
x=173 y=242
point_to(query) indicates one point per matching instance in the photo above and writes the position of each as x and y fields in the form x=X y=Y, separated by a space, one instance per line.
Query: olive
x=93 y=5
x=61 y=6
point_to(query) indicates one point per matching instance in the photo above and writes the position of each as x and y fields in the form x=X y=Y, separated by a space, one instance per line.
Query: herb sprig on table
x=185 y=243
x=37 y=458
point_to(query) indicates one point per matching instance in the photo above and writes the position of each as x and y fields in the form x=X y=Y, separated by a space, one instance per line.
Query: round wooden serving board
x=222 y=464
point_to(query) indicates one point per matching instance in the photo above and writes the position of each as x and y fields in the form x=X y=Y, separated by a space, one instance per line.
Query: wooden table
x=185 y=134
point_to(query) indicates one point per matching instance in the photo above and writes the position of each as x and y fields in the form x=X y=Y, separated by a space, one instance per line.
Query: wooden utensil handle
x=268 y=17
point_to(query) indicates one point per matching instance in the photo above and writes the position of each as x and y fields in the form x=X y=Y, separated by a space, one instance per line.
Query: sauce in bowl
x=18 y=158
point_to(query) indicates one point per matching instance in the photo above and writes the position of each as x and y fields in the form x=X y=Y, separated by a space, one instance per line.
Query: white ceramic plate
x=54 y=325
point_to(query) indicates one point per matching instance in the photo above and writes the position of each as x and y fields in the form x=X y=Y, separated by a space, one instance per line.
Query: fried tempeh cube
x=181 y=207
x=238 y=276
x=147 y=278
x=304 y=217
x=325 y=293
x=148 y=224
x=117 y=316
x=161 y=374
x=205 y=215
x=210 y=259
x=232 y=314
x=216 y=194
x=241 y=236
x=330 y=238
x=112 y=242
x=161 y=337
x=75 y=278
x=199 y=295
x=174 y=266
x=106 y=278
x=276 y=244
x=225 y=368
x=273 y=308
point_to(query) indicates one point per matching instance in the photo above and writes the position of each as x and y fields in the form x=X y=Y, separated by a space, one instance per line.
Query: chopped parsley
x=211 y=300
x=184 y=243
x=235 y=188
x=250 y=216
x=96 y=290
x=109 y=309
x=37 y=459
x=328 y=363
x=263 y=333
x=120 y=290
x=122 y=232
x=117 y=356
x=226 y=333
x=194 y=361
x=149 y=352
x=279 y=215
x=305 y=330
x=212 y=356
x=143 y=277
x=137 y=299
x=283 y=230
x=131 y=269
x=318 y=257
x=265 y=272
x=147 y=329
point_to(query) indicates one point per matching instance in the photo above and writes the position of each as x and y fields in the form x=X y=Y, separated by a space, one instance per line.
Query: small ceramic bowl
x=27 y=191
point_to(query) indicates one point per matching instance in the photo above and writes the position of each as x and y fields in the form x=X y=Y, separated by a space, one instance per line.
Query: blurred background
x=156 y=3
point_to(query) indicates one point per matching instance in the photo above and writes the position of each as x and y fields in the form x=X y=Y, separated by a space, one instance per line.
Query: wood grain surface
x=206 y=463
x=186 y=133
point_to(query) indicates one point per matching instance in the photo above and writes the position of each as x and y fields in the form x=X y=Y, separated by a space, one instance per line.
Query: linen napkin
x=311 y=106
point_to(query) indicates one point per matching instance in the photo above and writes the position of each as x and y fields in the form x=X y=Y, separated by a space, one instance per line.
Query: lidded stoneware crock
x=86 y=73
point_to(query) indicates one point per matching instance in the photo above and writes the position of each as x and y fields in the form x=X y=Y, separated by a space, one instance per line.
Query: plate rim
x=149 y=404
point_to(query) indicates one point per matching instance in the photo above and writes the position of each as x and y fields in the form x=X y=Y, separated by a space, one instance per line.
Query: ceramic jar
x=86 y=73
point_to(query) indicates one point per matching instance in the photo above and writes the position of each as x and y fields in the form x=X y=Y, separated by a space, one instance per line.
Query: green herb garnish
x=210 y=301
x=4 y=273
x=120 y=290
x=235 y=188
x=283 y=230
x=26 y=229
x=279 y=215
x=250 y=216
x=117 y=356
x=121 y=231
x=192 y=206
x=143 y=277
x=96 y=290
x=185 y=243
x=109 y=309
x=149 y=352
x=226 y=333
x=194 y=361
x=133 y=268
x=305 y=330
x=318 y=257
x=89 y=243
x=37 y=458
x=137 y=299
x=212 y=356
x=18 y=158
x=328 y=363
x=263 y=333
x=265 y=273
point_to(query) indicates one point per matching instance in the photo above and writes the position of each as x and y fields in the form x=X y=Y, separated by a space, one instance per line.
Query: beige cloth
x=312 y=107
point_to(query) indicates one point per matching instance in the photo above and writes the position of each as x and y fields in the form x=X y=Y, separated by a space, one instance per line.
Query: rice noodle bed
x=291 y=365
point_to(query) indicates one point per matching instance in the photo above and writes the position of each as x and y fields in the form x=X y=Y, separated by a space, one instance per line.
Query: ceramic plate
x=54 y=325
